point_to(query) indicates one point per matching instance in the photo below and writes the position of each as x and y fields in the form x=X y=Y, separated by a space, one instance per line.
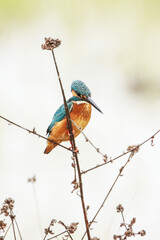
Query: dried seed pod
x=51 y=43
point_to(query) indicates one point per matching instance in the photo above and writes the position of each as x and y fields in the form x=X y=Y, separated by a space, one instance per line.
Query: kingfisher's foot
x=72 y=132
x=75 y=151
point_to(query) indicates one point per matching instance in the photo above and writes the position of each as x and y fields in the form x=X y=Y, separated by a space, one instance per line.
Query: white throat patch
x=79 y=102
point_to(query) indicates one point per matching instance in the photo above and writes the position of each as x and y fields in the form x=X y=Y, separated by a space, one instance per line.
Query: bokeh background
x=113 y=46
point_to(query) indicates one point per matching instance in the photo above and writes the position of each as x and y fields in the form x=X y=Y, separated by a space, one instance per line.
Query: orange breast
x=80 y=114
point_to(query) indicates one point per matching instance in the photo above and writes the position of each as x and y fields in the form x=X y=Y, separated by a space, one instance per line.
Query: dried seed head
x=95 y=238
x=32 y=180
x=133 y=221
x=98 y=150
x=51 y=43
x=48 y=231
x=152 y=141
x=10 y=203
x=134 y=149
x=7 y=206
x=115 y=237
x=2 y=225
x=122 y=225
x=142 y=233
x=75 y=185
x=105 y=158
x=129 y=233
x=5 y=209
x=34 y=130
x=120 y=208
x=73 y=227
x=73 y=165
x=88 y=207
x=53 y=221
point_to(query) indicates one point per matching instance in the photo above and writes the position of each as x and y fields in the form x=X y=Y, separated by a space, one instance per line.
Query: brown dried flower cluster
x=133 y=148
x=120 y=208
x=51 y=43
x=105 y=158
x=7 y=206
x=48 y=230
x=2 y=225
x=75 y=185
x=32 y=180
x=128 y=227
x=71 y=228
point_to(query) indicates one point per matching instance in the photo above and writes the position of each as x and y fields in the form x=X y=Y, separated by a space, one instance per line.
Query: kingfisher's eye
x=79 y=95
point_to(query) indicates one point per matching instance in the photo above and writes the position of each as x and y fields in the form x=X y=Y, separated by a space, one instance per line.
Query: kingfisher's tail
x=50 y=146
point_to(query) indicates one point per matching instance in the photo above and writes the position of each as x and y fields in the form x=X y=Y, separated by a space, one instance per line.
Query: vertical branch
x=75 y=155
x=37 y=208
x=69 y=124
x=33 y=180
x=12 y=220
x=50 y=44
x=18 y=229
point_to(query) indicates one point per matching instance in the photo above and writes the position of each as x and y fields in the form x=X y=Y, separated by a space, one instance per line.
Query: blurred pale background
x=113 y=46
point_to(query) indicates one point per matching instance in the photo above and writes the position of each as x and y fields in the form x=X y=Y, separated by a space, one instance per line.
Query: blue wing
x=59 y=115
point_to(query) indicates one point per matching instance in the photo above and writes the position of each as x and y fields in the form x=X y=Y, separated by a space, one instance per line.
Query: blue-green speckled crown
x=80 y=87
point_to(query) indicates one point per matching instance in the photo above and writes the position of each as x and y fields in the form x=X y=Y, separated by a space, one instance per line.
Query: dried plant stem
x=87 y=139
x=18 y=229
x=7 y=231
x=119 y=174
x=33 y=132
x=121 y=155
x=110 y=190
x=45 y=235
x=12 y=220
x=75 y=155
x=37 y=208
x=124 y=220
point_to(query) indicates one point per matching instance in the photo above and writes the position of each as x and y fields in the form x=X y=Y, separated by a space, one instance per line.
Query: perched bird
x=79 y=106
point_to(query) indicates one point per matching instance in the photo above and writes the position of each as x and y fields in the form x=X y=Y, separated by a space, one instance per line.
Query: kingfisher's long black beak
x=89 y=100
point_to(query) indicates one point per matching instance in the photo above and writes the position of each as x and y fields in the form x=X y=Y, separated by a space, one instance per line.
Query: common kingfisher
x=79 y=106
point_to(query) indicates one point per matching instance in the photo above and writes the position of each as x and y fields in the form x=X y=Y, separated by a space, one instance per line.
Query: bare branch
x=33 y=132
x=87 y=140
x=124 y=153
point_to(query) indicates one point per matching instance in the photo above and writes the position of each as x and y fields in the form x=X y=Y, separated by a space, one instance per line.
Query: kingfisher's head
x=80 y=90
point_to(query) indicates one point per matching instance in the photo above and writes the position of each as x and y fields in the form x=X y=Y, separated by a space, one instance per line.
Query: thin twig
x=48 y=230
x=69 y=124
x=18 y=229
x=121 y=155
x=37 y=208
x=12 y=217
x=119 y=174
x=124 y=220
x=7 y=231
x=88 y=140
x=33 y=132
